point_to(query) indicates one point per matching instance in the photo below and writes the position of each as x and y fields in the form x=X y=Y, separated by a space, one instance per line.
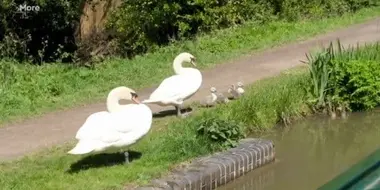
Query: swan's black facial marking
x=134 y=95
x=192 y=61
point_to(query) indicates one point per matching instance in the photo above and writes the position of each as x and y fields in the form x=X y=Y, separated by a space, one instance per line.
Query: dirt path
x=58 y=127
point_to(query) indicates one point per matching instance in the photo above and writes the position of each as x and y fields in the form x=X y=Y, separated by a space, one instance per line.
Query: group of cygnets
x=216 y=97
x=123 y=125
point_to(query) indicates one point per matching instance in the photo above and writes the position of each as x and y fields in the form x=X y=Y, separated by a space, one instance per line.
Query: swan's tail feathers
x=83 y=147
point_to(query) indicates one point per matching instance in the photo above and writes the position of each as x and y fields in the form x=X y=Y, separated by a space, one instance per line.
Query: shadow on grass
x=173 y=112
x=232 y=98
x=102 y=160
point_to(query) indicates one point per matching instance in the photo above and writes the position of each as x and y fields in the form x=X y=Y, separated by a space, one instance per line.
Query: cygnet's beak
x=193 y=61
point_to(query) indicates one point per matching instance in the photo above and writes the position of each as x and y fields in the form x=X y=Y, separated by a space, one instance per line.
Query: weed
x=224 y=132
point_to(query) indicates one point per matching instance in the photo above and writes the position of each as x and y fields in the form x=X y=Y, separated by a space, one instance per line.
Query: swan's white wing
x=111 y=127
x=92 y=122
x=173 y=87
x=133 y=117
x=98 y=127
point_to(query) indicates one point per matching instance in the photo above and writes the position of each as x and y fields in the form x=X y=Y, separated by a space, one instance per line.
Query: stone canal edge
x=218 y=169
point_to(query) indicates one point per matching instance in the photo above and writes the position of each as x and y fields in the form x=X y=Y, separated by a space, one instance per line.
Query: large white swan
x=176 y=89
x=120 y=126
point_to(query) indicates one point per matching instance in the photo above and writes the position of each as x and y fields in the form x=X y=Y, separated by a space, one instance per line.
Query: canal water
x=313 y=151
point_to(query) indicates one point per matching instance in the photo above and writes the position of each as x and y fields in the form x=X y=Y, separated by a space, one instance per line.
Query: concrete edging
x=216 y=170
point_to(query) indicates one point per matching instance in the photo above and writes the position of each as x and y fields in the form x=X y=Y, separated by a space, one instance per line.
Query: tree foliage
x=138 y=26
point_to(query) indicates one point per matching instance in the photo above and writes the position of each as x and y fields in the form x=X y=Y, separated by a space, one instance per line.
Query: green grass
x=171 y=142
x=33 y=90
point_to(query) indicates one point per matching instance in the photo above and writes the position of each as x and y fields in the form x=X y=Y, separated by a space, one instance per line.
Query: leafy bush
x=138 y=26
x=299 y=9
x=293 y=10
x=345 y=78
x=41 y=36
x=141 y=26
x=144 y=24
x=224 y=132
x=359 y=83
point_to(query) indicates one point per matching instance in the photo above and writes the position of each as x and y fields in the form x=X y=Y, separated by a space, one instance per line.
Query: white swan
x=176 y=89
x=120 y=126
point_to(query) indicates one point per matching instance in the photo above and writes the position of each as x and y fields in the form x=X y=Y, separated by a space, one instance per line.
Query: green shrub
x=40 y=36
x=344 y=78
x=139 y=26
x=142 y=25
x=293 y=10
x=300 y=9
x=227 y=133
x=357 y=82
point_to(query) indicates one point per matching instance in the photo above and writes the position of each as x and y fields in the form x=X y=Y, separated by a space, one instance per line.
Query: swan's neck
x=177 y=65
x=113 y=104
x=114 y=96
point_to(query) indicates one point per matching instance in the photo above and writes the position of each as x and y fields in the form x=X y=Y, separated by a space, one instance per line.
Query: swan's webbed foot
x=126 y=154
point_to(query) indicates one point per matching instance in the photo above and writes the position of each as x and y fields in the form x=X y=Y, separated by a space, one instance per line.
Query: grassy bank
x=267 y=102
x=33 y=90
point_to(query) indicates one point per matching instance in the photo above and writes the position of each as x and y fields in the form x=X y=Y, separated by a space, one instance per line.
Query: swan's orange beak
x=135 y=98
x=137 y=101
